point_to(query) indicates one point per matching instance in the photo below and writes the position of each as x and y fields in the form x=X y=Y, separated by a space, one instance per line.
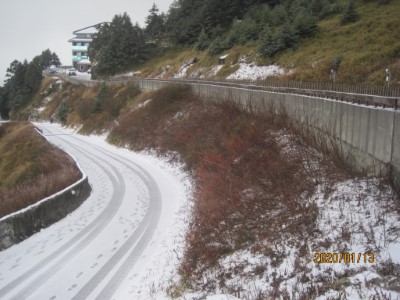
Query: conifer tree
x=270 y=44
x=350 y=15
x=305 y=24
x=154 y=23
x=102 y=96
x=202 y=41
x=33 y=77
x=46 y=59
x=63 y=111
x=117 y=46
x=55 y=60
x=4 y=103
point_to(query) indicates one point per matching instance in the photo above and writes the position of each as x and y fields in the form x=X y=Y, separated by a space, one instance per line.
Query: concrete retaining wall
x=21 y=225
x=370 y=136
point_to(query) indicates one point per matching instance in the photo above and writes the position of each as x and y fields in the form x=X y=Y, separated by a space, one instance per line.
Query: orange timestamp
x=347 y=257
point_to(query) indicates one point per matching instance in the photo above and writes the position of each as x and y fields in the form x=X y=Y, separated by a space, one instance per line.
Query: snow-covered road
x=118 y=245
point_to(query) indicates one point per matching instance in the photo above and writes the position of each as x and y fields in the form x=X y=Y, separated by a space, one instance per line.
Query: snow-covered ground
x=358 y=216
x=250 y=71
x=123 y=242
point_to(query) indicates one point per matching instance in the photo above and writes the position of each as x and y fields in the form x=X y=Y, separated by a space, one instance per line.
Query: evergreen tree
x=12 y=68
x=203 y=41
x=305 y=24
x=23 y=81
x=350 y=15
x=248 y=31
x=33 y=77
x=55 y=60
x=102 y=39
x=288 y=36
x=46 y=59
x=16 y=91
x=217 y=47
x=117 y=46
x=4 y=109
x=155 y=26
x=270 y=43
x=185 y=21
x=102 y=96
x=63 y=111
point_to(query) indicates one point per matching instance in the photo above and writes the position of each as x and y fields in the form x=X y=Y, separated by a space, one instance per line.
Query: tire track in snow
x=145 y=232
x=76 y=244
x=127 y=255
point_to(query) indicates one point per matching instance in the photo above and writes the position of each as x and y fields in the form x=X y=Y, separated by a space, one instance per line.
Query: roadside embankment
x=16 y=227
x=265 y=188
x=32 y=173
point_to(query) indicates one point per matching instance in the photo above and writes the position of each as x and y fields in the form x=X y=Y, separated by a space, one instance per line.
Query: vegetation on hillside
x=356 y=39
x=30 y=168
x=208 y=25
x=94 y=109
x=365 y=48
x=24 y=80
x=256 y=176
x=117 y=45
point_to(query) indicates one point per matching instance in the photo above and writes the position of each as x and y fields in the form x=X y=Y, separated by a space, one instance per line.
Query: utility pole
x=388 y=77
x=333 y=77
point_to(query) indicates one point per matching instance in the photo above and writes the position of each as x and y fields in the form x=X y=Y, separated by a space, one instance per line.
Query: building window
x=74 y=53
x=73 y=44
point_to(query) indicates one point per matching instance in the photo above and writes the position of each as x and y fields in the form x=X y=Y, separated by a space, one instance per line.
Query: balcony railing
x=79 y=58
x=79 y=48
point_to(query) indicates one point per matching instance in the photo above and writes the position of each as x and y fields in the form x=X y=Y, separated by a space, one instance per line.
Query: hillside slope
x=366 y=47
x=30 y=168
x=363 y=49
x=268 y=200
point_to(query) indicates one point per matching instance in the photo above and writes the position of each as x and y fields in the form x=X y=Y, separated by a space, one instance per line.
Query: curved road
x=106 y=247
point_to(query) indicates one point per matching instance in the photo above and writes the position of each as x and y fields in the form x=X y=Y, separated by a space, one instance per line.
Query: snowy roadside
x=62 y=260
x=160 y=269
x=353 y=253
x=355 y=216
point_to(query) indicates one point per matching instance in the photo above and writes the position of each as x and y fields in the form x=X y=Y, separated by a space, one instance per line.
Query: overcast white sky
x=27 y=27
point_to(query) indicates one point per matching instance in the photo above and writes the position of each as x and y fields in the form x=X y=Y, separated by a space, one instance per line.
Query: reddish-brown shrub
x=249 y=188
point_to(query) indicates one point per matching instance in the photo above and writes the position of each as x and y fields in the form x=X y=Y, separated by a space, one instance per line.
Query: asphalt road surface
x=109 y=242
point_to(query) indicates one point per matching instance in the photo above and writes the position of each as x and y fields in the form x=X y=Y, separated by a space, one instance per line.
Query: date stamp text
x=347 y=257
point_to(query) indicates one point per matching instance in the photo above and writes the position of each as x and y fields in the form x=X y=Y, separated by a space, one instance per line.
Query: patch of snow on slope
x=254 y=72
x=358 y=216
x=214 y=70
x=182 y=71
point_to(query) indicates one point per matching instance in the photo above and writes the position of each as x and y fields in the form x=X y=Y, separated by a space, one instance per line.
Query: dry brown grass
x=250 y=185
x=81 y=101
x=30 y=168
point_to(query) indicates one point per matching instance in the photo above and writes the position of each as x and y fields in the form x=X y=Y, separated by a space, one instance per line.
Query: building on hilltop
x=80 y=45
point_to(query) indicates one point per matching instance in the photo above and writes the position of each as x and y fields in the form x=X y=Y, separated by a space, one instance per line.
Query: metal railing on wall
x=355 y=93
x=365 y=89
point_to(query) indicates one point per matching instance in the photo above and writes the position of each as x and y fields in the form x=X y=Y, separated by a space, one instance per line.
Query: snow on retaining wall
x=370 y=136
x=20 y=225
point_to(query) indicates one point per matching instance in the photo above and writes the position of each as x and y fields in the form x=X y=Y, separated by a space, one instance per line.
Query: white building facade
x=80 y=45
